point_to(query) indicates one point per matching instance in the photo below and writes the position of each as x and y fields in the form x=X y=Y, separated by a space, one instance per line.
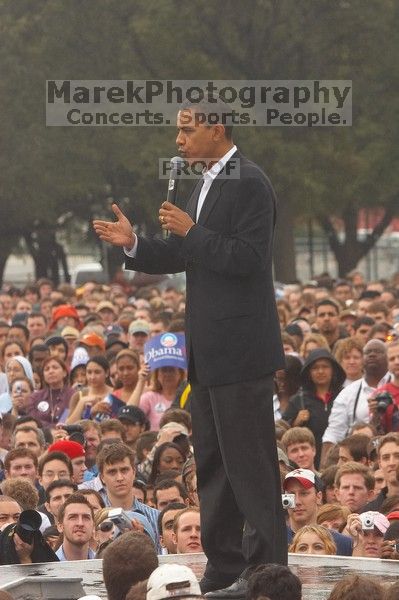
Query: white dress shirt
x=341 y=417
x=208 y=176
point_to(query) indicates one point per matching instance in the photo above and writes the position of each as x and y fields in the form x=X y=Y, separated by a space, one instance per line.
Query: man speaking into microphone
x=223 y=241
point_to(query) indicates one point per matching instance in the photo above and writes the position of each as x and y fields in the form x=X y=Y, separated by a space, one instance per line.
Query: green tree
x=321 y=172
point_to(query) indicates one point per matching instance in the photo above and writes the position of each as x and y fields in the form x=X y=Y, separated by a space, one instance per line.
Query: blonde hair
x=316 y=338
x=100 y=516
x=322 y=532
x=343 y=347
x=298 y=435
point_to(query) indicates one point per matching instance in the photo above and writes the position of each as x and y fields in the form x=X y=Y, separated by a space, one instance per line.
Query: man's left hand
x=174 y=219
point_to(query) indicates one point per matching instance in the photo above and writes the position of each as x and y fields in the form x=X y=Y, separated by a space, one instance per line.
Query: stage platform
x=317 y=573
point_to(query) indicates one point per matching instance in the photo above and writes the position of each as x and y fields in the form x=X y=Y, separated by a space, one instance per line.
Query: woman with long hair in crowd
x=164 y=384
x=51 y=404
x=313 y=539
x=127 y=372
x=168 y=457
x=97 y=389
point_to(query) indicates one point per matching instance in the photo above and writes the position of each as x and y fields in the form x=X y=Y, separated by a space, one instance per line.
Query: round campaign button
x=43 y=406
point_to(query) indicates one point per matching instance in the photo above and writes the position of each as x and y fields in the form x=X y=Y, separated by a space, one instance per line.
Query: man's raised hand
x=118 y=233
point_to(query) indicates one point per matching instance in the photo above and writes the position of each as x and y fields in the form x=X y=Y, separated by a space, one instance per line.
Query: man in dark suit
x=224 y=243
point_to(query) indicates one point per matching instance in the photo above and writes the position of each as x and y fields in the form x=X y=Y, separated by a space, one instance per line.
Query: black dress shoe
x=210 y=585
x=236 y=591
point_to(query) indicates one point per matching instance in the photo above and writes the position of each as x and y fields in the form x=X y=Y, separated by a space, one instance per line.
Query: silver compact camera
x=120 y=519
x=367 y=522
x=288 y=500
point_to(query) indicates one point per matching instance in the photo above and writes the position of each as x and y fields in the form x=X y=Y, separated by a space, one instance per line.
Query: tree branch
x=327 y=226
x=391 y=209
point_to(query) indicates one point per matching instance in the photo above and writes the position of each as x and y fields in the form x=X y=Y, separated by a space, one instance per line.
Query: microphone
x=176 y=163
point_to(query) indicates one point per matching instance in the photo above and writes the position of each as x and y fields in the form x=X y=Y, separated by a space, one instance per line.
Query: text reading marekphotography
x=311 y=103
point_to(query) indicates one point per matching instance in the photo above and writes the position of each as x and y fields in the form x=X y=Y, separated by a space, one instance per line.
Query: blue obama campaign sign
x=166 y=350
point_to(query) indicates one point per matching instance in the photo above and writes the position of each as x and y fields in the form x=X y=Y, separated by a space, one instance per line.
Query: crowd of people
x=98 y=442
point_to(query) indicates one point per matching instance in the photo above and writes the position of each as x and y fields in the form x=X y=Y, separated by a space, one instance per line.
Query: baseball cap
x=113 y=330
x=105 y=305
x=306 y=478
x=80 y=358
x=70 y=332
x=176 y=426
x=380 y=520
x=139 y=326
x=172 y=581
x=92 y=339
x=68 y=447
x=294 y=329
x=133 y=414
x=347 y=312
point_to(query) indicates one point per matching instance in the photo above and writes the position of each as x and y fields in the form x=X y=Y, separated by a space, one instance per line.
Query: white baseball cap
x=172 y=581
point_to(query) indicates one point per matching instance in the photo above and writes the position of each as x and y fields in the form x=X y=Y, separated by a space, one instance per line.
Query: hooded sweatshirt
x=306 y=398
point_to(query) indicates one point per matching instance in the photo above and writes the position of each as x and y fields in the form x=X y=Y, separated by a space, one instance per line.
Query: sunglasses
x=106 y=526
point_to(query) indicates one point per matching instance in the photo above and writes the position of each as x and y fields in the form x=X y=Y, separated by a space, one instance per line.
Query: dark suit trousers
x=242 y=522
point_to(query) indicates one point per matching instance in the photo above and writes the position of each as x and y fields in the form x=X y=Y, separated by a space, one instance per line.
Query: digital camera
x=288 y=501
x=384 y=399
x=120 y=519
x=367 y=522
x=28 y=524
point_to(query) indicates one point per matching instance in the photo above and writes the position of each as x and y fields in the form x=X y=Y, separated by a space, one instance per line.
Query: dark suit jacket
x=232 y=328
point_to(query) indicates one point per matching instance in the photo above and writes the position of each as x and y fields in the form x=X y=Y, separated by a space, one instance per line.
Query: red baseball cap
x=68 y=447
x=92 y=339
x=306 y=478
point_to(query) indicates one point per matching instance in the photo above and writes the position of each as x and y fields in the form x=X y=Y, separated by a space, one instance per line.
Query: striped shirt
x=151 y=514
